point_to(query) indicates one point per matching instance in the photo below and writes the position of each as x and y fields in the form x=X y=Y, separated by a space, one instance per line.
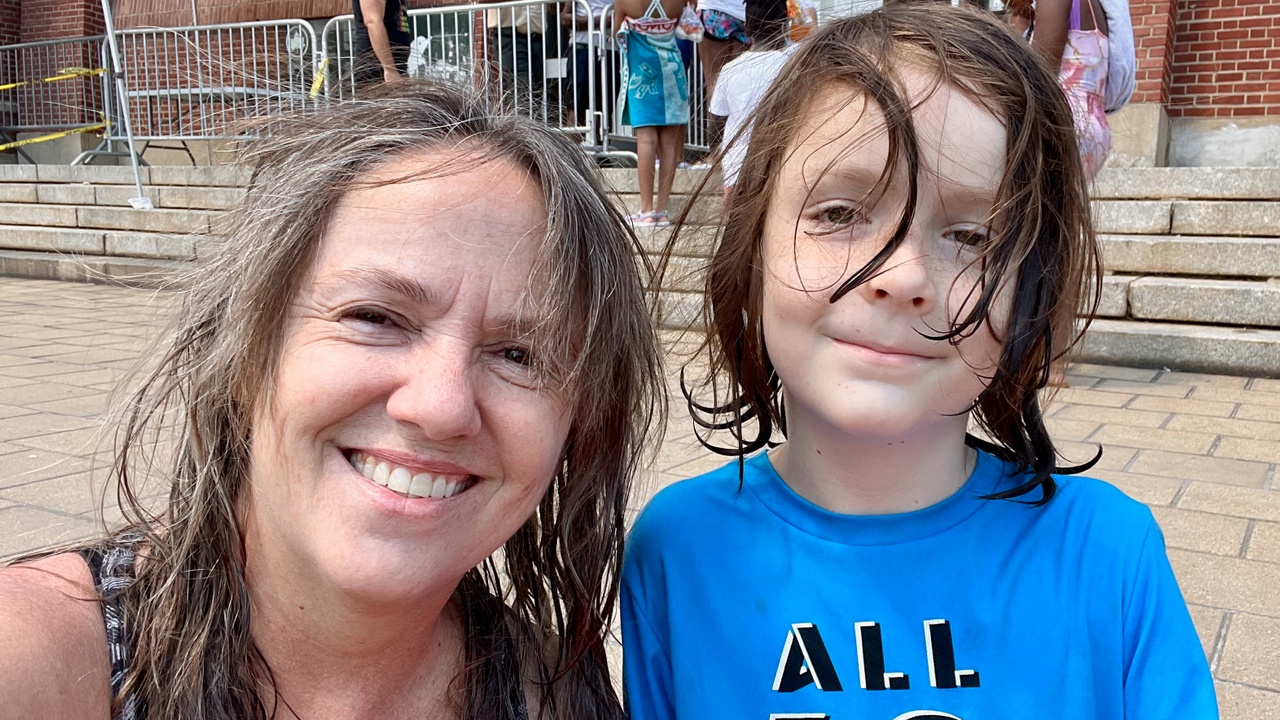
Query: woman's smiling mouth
x=404 y=481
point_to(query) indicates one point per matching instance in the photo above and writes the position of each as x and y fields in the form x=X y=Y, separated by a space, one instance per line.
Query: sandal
x=658 y=219
x=638 y=218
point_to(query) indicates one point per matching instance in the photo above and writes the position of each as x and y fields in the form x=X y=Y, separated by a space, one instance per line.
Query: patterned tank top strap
x=656 y=6
x=111 y=567
x=1074 y=22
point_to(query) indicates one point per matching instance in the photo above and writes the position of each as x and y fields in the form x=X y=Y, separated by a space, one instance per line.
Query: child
x=657 y=97
x=904 y=256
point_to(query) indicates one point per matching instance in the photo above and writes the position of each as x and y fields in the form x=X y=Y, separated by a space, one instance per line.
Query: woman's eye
x=369 y=316
x=517 y=355
x=839 y=215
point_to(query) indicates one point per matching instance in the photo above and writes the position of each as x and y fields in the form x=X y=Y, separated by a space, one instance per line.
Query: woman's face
x=407 y=436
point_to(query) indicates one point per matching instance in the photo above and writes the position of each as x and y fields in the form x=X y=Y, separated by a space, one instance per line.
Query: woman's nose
x=906 y=278
x=436 y=393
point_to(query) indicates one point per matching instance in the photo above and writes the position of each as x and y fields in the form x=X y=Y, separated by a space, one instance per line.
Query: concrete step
x=706 y=209
x=1191 y=348
x=693 y=241
x=215 y=176
x=169 y=196
x=98 y=242
x=107 y=218
x=1114 y=300
x=626 y=180
x=1205 y=256
x=1252 y=303
x=1189 y=183
x=1216 y=302
x=1256 y=218
x=133 y=272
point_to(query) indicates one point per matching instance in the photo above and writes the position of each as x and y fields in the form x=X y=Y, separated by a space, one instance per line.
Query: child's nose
x=905 y=278
x=436 y=393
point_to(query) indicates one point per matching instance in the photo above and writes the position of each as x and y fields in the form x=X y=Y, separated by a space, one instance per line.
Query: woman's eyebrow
x=397 y=283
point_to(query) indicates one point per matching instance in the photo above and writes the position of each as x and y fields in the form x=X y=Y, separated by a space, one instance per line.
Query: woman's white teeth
x=401 y=480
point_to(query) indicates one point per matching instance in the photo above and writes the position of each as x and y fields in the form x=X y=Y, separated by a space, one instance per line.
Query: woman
x=423 y=340
x=657 y=97
x=1071 y=35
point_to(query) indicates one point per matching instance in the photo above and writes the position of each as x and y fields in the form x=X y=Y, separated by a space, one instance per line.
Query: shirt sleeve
x=1166 y=673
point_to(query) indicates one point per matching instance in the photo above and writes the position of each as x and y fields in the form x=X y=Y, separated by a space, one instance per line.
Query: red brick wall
x=10 y=21
x=61 y=19
x=1226 y=59
x=173 y=13
x=1153 y=27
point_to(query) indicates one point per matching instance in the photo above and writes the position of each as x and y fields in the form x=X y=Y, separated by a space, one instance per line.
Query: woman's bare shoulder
x=53 y=648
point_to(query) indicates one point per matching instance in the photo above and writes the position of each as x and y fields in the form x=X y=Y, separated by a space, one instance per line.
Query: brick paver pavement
x=1201 y=450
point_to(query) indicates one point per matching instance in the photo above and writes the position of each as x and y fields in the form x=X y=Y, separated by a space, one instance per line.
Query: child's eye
x=971 y=237
x=839 y=215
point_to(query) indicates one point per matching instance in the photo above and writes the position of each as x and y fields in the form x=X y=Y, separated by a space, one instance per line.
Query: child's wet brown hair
x=1042 y=253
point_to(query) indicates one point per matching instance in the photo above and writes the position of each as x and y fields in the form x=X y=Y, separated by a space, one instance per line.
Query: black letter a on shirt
x=805 y=660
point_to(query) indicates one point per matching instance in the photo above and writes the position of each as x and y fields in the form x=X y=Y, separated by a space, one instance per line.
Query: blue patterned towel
x=653 y=74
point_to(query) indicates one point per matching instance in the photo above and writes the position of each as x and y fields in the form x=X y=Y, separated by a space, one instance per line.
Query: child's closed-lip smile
x=884 y=354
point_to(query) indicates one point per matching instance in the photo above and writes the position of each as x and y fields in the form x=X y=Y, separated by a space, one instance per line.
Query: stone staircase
x=1192 y=254
x=75 y=223
x=1193 y=262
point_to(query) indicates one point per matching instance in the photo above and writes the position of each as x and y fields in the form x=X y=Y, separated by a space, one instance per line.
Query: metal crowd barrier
x=206 y=81
x=52 y=86
x=525 y=55
x=548 y=59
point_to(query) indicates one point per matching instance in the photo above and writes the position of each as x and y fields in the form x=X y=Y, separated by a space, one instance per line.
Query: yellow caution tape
x=53 y=136
x=318 y=82
x=63 y=74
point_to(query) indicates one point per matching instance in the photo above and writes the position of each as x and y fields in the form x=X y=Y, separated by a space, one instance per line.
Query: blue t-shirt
x=756 y=604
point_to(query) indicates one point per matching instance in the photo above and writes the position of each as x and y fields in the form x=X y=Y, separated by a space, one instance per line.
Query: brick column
x=1153 y=32
x=63 y=19
x=10 y=21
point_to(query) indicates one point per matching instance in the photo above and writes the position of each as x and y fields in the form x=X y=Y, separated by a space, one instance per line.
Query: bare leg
x=647 y=149
x=714 y=54
x=670 y=149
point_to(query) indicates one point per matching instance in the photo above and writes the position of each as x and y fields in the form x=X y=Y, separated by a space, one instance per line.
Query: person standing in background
x=1072 y=37
x=531 y=50
x=724 y=23
x=743 y=83
x=382 y=40
x=606 y=72
x=657 y=98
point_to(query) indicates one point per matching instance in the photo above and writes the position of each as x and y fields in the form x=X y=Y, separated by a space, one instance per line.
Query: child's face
x=863 y=365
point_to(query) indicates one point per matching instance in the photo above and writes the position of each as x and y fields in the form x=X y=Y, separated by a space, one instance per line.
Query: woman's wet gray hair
x=556 y=578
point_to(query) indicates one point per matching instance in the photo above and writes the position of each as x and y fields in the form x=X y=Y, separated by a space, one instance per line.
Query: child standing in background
x=903 y=258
